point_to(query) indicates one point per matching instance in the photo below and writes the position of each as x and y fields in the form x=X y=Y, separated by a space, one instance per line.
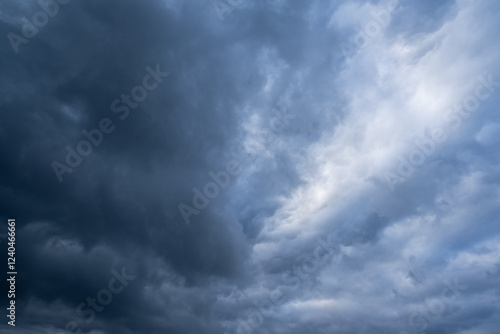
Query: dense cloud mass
x=237 y=166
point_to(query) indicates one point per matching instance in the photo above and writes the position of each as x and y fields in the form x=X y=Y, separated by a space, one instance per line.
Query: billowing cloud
x=237 y=167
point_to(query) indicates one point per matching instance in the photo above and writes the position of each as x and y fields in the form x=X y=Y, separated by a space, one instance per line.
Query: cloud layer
x=331 y=224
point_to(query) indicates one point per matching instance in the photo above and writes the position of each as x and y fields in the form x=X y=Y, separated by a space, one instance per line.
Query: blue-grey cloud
x=365 y=135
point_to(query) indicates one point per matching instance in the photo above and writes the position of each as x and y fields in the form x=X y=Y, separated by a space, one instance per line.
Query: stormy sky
x=237 y=166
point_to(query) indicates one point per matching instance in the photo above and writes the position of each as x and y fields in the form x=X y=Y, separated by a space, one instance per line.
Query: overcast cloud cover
x=346 y=153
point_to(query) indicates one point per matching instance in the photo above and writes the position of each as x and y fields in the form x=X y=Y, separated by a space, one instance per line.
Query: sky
x=237 y=166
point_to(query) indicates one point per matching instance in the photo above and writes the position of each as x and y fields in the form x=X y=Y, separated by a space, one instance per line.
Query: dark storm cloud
x=123 y=196
x=318 y=178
